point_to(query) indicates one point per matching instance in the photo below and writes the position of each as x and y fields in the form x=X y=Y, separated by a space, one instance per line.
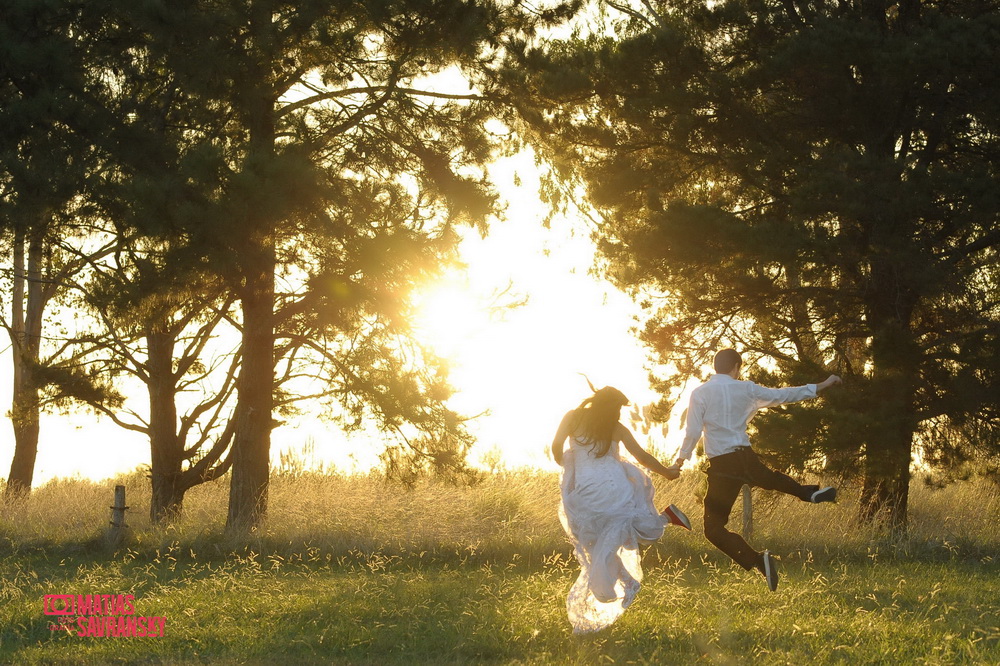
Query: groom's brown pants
x=726 y=475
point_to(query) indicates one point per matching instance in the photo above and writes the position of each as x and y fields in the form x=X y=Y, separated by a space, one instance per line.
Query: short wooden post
x=747 y=513
x=117 y=531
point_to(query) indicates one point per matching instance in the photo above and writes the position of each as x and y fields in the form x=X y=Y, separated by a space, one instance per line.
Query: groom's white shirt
x=722 y=407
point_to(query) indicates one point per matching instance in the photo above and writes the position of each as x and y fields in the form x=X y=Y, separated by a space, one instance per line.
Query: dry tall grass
x=505 y=516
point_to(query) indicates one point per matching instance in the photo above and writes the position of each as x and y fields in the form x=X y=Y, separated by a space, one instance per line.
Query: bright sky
x=523 y=366
x=519 y=368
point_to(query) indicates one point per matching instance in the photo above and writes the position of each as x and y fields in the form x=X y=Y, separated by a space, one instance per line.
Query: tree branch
x=633 y=13
x=369 y=90
x=202 y=471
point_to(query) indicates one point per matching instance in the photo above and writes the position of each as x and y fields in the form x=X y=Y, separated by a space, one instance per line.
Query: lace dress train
x=607 y=511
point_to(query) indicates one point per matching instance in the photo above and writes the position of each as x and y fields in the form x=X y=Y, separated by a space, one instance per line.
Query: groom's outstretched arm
x=828 y=382
x=769 y=397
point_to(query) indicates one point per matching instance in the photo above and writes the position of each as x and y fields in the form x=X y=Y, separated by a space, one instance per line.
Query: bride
x=607 y=508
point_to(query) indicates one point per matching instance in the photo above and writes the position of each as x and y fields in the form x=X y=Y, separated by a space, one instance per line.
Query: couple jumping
x=607 y=503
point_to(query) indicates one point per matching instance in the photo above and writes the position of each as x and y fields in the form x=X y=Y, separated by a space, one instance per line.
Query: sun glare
x=521 y=323
x=447 y=313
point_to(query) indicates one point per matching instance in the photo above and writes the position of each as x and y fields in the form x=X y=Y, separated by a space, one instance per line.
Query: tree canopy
x=308 y=163
x=812 y=182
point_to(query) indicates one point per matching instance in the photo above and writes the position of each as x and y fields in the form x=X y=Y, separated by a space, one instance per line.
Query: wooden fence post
x=747 y=513
x=117 y=531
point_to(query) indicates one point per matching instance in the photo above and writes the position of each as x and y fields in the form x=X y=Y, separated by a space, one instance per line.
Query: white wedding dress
x=607 y=510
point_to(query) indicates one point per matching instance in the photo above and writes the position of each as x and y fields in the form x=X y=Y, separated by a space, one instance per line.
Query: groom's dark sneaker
x=677 y=517
x=769 y=567
x=828 y=494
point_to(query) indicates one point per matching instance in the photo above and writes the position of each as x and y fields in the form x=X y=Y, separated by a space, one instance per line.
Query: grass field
x=355 y=570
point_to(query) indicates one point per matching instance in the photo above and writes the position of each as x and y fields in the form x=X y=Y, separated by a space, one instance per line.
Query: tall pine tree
x=813 y=182
x=44 y=171
x=325 y=163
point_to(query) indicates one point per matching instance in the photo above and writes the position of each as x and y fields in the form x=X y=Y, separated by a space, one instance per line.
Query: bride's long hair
x=597 y=416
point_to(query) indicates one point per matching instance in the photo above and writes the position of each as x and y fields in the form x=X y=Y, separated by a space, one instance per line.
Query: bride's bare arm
x=564 y=431
x=640 y=454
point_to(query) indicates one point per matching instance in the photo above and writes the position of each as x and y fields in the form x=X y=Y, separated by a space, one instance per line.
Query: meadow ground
x=353 y=570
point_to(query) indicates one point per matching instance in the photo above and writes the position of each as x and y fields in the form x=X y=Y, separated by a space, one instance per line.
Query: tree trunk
x=166 y=450
x=255 y=386
x=26 y=334
x=885 y=489
x=895 y=360
x=252 y=444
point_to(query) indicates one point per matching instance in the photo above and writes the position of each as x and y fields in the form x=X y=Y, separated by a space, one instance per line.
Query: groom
x=721 y=408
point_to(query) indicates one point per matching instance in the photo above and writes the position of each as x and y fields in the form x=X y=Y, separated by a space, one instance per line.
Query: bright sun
x=522 y=320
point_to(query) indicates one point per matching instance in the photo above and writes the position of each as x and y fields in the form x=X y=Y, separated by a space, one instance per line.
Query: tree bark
x=252 y=444
x=888 y=452
x=255 y=386
x=895 y=360
x=166 y=449
x=26 y=334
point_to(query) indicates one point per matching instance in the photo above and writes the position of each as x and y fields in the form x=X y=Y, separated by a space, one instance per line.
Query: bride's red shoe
x=676 y=517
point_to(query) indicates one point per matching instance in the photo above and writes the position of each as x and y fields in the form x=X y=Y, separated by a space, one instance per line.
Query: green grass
x=354 y=570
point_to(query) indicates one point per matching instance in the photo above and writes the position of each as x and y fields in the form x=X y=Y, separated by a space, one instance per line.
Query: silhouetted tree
x=44 y=170
x=813 y=182
x=165 y=327
x=330 y=160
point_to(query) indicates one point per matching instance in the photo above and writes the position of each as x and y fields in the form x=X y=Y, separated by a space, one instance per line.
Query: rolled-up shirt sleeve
x=769 y=397
x=695 y=424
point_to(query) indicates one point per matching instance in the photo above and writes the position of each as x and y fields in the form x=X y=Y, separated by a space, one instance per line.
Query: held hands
x=673 y=472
